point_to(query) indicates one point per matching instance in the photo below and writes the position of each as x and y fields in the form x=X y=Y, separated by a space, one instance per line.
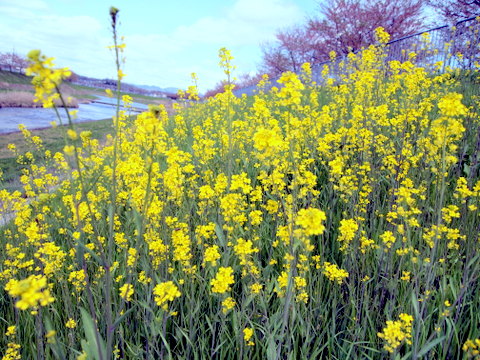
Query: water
x=36 y=118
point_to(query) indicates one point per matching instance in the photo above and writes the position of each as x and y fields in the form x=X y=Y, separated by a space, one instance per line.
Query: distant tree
x=292 y=48
x=349 y=25
x=245 y=80
x=217 y=89
x=343 y=26
x=73 y=77
x=12 y=62
x=467 y=41
x=455 y=10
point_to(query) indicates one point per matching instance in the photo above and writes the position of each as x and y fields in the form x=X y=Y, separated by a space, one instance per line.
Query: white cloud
x=77 y=42
x=272 y=13
x=247 y=22
x=23 y=7
x=194 y=48
x=164 y=59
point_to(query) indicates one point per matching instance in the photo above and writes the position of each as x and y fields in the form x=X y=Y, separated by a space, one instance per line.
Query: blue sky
x=166 y=40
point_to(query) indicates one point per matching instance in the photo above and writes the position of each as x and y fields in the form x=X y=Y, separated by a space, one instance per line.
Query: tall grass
x=304 y=222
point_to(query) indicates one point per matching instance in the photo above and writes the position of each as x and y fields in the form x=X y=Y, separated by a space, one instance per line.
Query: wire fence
x=442 y=48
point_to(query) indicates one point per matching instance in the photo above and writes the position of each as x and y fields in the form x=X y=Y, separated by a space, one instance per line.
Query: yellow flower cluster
x=247 y=335
x=223 y=280
x=126 y=292
x=165 y=292
x=396 y=332
x=71 y=324
x=12 y=352
x=267 y=211
x=228 y=304
x=311 y=221
x=451 y=105
x=211 y=255
x=46 y=79
x=348 y=229
x=472 y=348
x=334 y=273
x=32 y=291
x=13 y=349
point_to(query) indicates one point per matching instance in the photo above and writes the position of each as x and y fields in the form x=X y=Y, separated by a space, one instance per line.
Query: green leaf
x=137 y=217
x=87 y=349
x=167 y=346
x=473 y=260
x=98 y=349
x=430 y=346
x=220 y=234
x=120 y=319
x=55 y=346
x=415 y=305
x=271 y=348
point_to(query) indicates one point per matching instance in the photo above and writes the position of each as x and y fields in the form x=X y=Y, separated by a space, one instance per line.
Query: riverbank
x=26 y=99
x=16 y=90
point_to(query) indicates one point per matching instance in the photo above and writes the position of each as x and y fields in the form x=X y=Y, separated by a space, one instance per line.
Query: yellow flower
x=311 y=221
x=46 y=79
x=211 y=256
x=11 y=330
x=397 y=332
x=132 y=257
x=50 y=336
x=268 y=142
x=348 y=228
x=226 y=60
x=165 y=292
x=72 y=134
x=451 y=105
x=71 y=323
x=334 y=273
x=388 y=239
x=12 y=352
x=78 y=279
x=381 y=35
x=126 y=292
x=406 y=276
x=472 y=348
x=223 y=280
x=247 y=335
x=228 y=304
x=256 y=288
x=33 y=291
x=243 y=249
x=69 y=150
x=283 y=280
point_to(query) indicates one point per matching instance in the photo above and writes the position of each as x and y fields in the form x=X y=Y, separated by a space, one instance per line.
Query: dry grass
x=17 y=99
x=12 y=86
x=26 y=99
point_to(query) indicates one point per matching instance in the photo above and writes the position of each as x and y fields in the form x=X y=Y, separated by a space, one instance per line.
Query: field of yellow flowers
x=337 y=221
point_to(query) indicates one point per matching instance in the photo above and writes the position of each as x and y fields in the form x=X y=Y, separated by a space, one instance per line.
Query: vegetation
x=452 y=11
x=53 y=141
x=11 y=61
x=16 y=91
x=9 y=77
x=301 y=223
x=346 y=26
x=343 y=26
